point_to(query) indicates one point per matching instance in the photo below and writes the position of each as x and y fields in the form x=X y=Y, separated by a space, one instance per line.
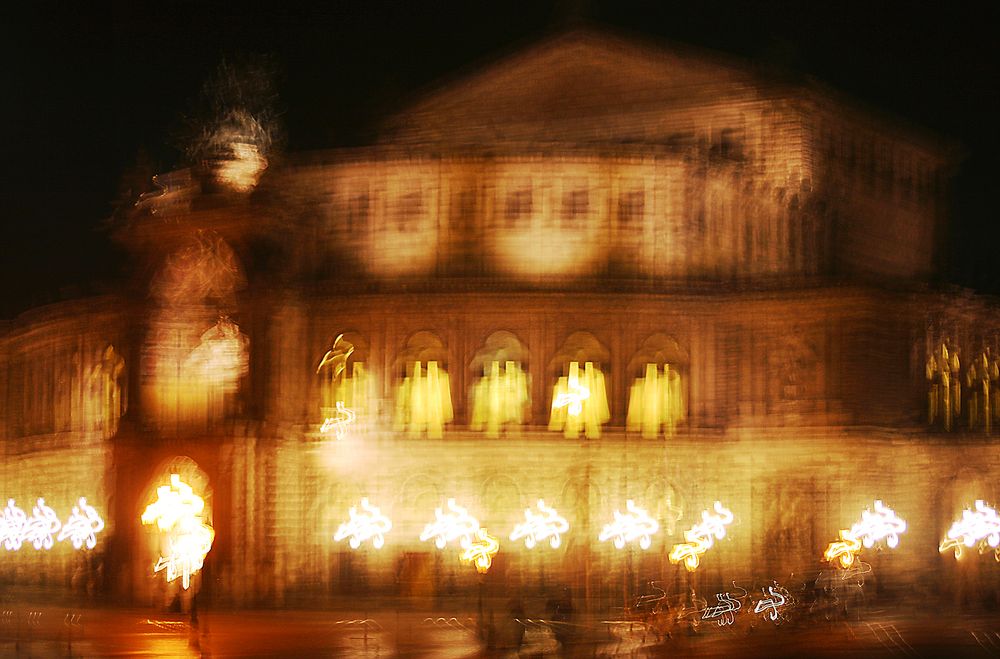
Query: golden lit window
x=500 y=393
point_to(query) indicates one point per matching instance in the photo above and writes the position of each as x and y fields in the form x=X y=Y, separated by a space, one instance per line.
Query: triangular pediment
x=560 y=86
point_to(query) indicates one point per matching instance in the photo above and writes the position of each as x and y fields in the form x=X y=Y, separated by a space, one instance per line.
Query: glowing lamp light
x=370 y=524
x=690 y=552
x=40 y=528
x=186 y=554
x=700 y=537
x=243 y=169
x=345 y=416
x=536 y=527
x=635 y=524
x=82 y=526
x=845 y=550
x=177 y=513
x=481 y=551
x=17 y=528
x=980 y=526
x=12 y=526
x=877 y=525
x=447 y=526
x=573 y=399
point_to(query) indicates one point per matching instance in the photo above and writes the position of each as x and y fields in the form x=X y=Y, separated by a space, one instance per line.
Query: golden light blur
x=581 y=326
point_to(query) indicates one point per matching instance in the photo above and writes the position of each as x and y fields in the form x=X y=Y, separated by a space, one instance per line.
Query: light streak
x=369 y=524
x=770 y=605
x=455 y=525
x=13 y=526
x=844 y=550
x=338 y=424
x=40 y=527
x=725 y=610
x=177 y=514
x=980 y=526
x=702 y=536
x=882 y=524
x=481 y=551
x=573 y=399
x=186 y=554
x=691 y=551
x=537 y=527
x=82 y=526
x=636 y=524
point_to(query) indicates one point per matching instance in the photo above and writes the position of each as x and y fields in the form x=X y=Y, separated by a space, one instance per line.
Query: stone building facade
x=589 y=200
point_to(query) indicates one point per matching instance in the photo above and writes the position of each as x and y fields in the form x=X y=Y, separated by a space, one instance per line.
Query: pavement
x=40 y=631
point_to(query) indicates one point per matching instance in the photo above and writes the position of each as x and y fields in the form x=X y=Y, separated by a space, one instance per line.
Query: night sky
x=89 y=86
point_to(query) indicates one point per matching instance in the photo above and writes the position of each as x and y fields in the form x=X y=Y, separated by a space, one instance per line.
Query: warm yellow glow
x=423 y=401
x=634 y=524
x=656 y=401
x=343 y=417
x=579 y=403
x=499 y=398
x=977 y=527
x=457 y=524
x=177 y=513
x=481 y=551
x=701 y=537
x=370 y=523
x=845 y=550
x=243 y=168
x=880 y=524
x=536 y=527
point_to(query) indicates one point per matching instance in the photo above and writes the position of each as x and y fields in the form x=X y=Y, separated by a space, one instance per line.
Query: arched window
x=345 y=384
x=657 y=399
x=423 y=394
x=579 y=396
x=500 y=396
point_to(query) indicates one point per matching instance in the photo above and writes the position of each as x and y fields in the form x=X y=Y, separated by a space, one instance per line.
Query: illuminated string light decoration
x=17 y=528
x=980 y=526
x=82 y=526
x=656 y=401
x=177 y=513
x=579 y=402
x=845 y=550
x=481 y=551
x=423 y=401
x=768 y=606
x=690 y=552
x=635 y=524
x=725 y=610
x=12 y=526
x=338 y=424
x=877 y=525
x=500 y=398
x=537 y=527
x=700 y=537
x=448 y=526
x=40 y=528
x=370 y=523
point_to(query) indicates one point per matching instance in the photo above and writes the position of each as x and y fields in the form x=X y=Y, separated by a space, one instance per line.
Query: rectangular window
x=517 y=211
x=357 y=214
x=631 y=210
x=409 y=210
x=575 y=206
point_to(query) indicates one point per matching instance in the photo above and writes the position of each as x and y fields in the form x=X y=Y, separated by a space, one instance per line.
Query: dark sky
x=90 y=84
